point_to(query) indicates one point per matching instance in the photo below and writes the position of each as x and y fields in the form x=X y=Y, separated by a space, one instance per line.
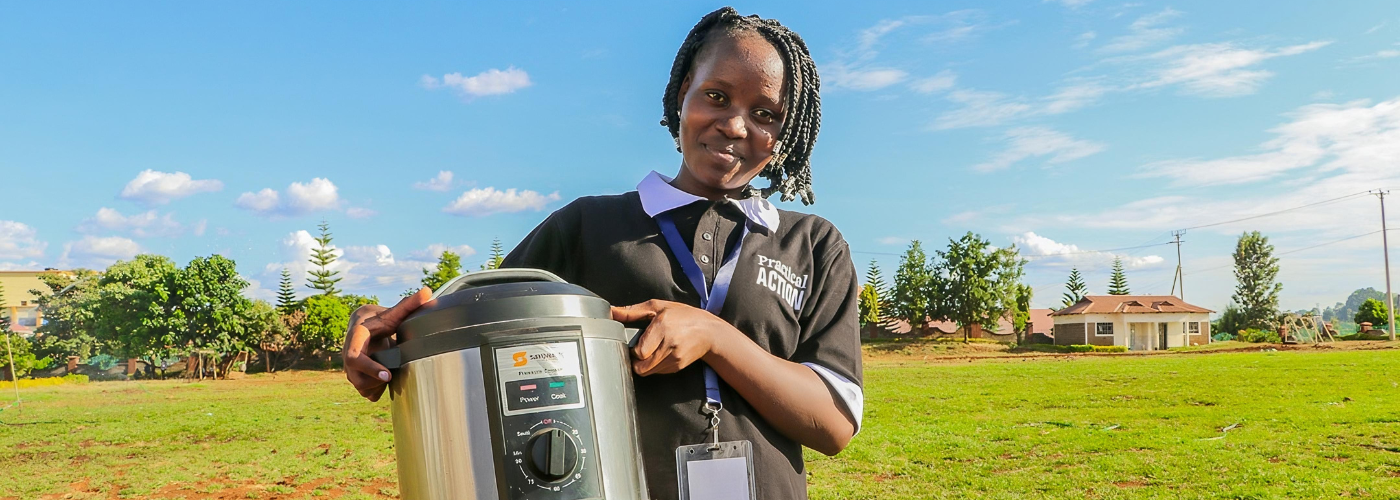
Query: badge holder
x=715 y=470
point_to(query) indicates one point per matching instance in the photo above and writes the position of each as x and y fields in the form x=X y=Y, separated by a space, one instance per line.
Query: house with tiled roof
x=1138 y=322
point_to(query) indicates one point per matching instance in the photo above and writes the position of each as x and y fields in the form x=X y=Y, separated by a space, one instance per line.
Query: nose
x=733 y=127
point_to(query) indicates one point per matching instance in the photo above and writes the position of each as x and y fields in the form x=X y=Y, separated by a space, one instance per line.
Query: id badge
x=716 y=471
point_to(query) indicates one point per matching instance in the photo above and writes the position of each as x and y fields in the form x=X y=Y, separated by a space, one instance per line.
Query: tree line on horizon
x=151 y=309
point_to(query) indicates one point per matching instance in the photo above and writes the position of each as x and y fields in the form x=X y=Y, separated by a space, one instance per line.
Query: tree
x=1348 y=310
x=448 y=267
x=911 y=287
x=133 y=311
x=68 y=302
x=1074 y=288
x=874 y=277
x=1022 y=315
x=4 y=320
x=1256 y=274
x=13 y=346
x=869 y=305
x=1231 y=321
x=1374 y=312
x=266 y=331
x=209 y=304
x=286 y=293
x=976 y=283
x=323 y=278
x=323 y=328
x=498 y=256
x=1118 y=282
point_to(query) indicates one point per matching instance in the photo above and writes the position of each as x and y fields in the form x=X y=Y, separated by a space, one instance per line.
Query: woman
x=751 y=311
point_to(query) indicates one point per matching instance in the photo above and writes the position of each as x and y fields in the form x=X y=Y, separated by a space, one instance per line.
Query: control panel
x=546 y=425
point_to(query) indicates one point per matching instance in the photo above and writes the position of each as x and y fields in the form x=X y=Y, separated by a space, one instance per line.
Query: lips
x=726 y=155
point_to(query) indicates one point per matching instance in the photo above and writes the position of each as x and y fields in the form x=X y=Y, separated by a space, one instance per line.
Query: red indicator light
x=530 y=387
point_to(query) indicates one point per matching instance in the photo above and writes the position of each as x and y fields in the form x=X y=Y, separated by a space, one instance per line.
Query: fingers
x=386 y=321
x=637 y=312
x=648 y=365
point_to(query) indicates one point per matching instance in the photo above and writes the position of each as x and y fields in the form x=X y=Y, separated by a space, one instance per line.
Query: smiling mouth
x=726 y=155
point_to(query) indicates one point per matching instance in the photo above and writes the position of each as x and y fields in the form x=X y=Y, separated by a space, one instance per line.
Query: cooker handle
x=496 y=276
x=391 y=358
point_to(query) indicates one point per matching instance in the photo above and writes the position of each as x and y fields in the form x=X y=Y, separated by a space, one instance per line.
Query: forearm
x=790 y=396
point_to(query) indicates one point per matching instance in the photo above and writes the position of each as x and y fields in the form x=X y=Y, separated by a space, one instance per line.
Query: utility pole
x=1385 y=247
x=1179 y=277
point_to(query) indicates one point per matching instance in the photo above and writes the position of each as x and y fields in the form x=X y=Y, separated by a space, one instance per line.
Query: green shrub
x=1110 y=348
x=1256 y=335
x=1080 y=348
x=71 y=378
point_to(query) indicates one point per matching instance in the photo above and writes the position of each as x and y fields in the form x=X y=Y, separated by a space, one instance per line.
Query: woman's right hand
x=371 y=329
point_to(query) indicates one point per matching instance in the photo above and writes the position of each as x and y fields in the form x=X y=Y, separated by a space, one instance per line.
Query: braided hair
x=790 y=170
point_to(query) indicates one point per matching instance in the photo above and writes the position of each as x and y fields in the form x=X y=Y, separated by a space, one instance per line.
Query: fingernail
x=383 y=375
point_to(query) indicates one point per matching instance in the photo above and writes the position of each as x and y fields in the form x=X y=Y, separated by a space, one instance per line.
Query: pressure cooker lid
x=500 y=295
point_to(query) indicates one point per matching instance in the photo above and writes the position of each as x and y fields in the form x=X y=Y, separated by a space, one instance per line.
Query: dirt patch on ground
x=228 y=489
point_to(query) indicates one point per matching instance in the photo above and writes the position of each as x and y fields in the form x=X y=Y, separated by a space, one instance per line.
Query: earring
x=678 y=143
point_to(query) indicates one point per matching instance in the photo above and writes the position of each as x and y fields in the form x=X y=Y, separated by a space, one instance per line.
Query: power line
x=1252 y=217
x=1296 y=250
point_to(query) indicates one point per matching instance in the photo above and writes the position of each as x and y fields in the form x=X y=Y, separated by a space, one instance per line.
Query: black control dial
x=553 y=455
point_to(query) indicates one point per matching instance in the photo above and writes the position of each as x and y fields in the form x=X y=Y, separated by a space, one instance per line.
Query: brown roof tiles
x=1130 y=304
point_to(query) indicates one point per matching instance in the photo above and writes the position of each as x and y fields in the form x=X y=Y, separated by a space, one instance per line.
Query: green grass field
x=1308 y=423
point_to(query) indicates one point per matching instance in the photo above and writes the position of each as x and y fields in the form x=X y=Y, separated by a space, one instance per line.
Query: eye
x=764 y=115
x=715 y=95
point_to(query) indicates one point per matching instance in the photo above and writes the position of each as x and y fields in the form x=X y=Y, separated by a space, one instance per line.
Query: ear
x=680 y=93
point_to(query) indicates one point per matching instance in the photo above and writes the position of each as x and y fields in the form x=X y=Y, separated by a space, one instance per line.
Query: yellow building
x=18 y=304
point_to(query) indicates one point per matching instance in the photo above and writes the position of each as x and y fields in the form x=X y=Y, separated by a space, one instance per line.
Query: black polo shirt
x=794 y=293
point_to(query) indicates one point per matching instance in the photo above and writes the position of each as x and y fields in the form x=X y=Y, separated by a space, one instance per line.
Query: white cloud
x=1216 y=69
x=367 y=269
x=200 y=226
x=433 y=251
x=481 y=202
x=865 y=78
x=360 y=213
x=1026 y=142
x=981 y=109
x=442 y=182
x=158 y=188
x=1383 y=54
x=1354 y=138
x=1084 y=38
x=19 y=241
x=1073 y=4
x=489 y=82
x=1046 y=251
x=319 y=194
x=142 y=225
x=98 y=252
x=892 y=240
x=1145 y=32
x=944 y=80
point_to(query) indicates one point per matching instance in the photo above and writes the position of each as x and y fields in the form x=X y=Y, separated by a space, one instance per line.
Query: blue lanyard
x=711 y=297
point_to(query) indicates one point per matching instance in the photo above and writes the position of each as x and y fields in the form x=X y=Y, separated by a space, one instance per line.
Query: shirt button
x=704 y=259
x=707 y=236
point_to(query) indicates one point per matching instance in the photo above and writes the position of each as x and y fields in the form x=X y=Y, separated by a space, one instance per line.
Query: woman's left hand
x=679 y=334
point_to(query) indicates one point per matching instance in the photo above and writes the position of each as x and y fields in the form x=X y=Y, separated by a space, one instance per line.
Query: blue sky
x=1063 y=127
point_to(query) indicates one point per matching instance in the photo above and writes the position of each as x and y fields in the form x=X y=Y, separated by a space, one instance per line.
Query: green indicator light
x=556 y=385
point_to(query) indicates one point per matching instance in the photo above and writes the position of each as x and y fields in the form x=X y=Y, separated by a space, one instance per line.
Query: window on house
x=1193 y=327
x=1103 y=329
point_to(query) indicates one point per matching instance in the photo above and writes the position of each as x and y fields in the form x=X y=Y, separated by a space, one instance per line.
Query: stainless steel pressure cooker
x=512 y=384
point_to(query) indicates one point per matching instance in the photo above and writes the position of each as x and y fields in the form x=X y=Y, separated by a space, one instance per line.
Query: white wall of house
x=1177 y=334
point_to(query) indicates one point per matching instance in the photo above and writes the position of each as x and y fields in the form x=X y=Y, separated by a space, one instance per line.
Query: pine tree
x=286 y=294
x=498 y=255
x=1256 y=274
x=322 y=278
x=1075 y=288
x=875 y=278
x=1118 y=283
x=449 y=266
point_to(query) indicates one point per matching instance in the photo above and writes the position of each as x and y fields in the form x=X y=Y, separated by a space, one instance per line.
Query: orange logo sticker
x=519 y=358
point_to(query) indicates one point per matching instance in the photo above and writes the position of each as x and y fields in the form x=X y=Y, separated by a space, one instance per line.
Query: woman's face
x=731 y=110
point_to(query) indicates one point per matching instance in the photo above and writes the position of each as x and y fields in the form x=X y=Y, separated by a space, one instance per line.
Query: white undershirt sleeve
x=852 y=395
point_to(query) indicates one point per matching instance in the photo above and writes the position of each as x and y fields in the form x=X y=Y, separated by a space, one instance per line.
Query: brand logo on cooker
x=519 y=358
